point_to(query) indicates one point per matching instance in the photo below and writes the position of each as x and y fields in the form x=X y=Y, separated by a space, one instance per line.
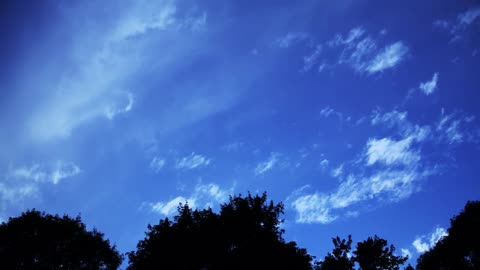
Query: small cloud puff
x=430 y=86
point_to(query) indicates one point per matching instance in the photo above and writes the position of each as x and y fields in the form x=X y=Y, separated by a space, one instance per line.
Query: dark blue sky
x=361 y=116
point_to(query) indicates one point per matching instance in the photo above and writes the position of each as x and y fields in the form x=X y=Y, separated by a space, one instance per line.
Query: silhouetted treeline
x=244 y=234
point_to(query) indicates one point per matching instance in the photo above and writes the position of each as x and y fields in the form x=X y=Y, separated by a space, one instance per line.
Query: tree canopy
x=36 y=240
x=245 y=234
x=374 y=253
x=460 y=249
x=340 y=257
x=371 y=254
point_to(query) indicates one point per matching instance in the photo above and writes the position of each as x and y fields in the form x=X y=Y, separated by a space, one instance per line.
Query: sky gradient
x=360 y=116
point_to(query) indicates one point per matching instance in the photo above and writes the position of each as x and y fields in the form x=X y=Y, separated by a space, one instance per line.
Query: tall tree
x=460 y=249
x=36 y=240
x=340 y=257
x=245 y=234
x=375 y=254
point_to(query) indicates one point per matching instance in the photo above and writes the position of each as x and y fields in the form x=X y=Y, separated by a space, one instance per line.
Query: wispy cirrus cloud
x=98 y=88
x=192 y=161
x=392 y=173
x=26 y=181
x=388 y=58
x=390 y=152
x=310 y=60
x=458 y=27
x=357 y=49
x=157 y=164
x=395 y=166
x=291 y=38
x=455 y=128
x=268 y=164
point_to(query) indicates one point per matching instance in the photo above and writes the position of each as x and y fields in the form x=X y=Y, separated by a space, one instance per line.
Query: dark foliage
x=338 y=259
x=244 y=235
x=36 y=240
x=461 y=248
x=409 y=267
x=374 y=253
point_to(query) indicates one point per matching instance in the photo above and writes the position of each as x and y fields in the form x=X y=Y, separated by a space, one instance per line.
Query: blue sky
x=361 y=116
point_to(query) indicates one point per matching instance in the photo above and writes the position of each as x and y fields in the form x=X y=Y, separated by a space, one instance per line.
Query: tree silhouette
x=339 y=258
x=245 y=234
x=409 y=267
x=36 y=240
x=461 y=248
x=374 y=253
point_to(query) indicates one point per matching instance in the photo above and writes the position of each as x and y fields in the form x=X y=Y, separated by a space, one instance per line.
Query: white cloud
x=26 y=182
x=290 y=38
x=391 y=55
x=388 y=185
x=135 y=25
x=338 y=171
x=420 y=246
x=426 y=242
x=406 y=252
x=310 y=60
x=157 y=164
x=352 y=36
x=192 y=161
x=93 y=86
x=324 y=163
x=326 y=112
x=456 y=128
x=169 y=208
x=469 y=16
x=398 y=177
x=267 y=165
x=457 y=28
x=361 y=52
x=390 y=152
x=430 y=86
x=59 y=171
x=399 y=173
x=389 y=118
x=203 y=196
x=310 y=209
x=114 y=109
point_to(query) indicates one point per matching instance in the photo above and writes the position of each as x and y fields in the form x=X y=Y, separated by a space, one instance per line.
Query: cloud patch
x=157 y=164
x=26 y=181
x=268 y=164
x=290 y=38
x=459 y=27
x=388 y=58
x=192 y=161
x=203 y=196
x=390 y=152
x=430 y=86
x=425 y=242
